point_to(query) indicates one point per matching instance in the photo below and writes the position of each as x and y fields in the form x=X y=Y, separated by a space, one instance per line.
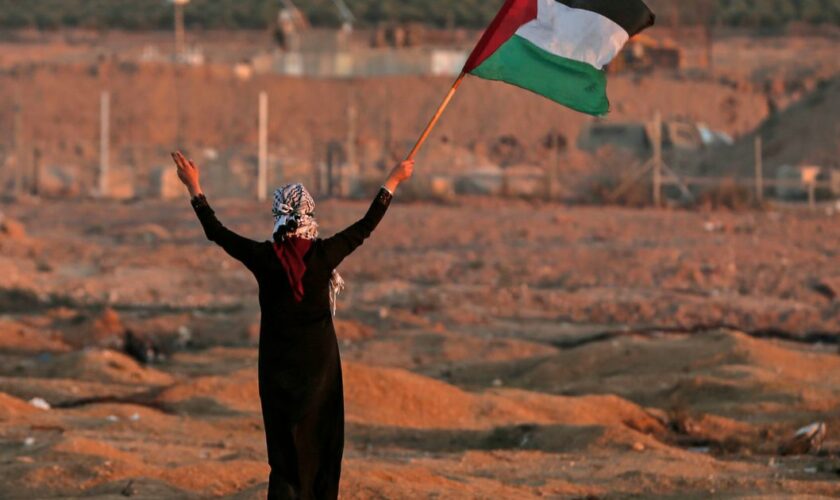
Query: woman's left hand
x=400 y=173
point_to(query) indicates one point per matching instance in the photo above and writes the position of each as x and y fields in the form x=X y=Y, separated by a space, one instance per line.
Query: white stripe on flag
x=576 y=34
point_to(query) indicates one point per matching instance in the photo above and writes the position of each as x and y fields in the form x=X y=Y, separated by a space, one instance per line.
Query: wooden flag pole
x=435 y=118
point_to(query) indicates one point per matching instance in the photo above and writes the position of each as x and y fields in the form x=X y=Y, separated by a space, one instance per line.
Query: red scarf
x=290 y=252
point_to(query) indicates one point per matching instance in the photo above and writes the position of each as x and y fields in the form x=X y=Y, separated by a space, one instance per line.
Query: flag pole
x=436 y=117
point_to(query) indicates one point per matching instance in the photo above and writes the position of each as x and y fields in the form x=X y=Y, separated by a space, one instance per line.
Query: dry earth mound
x=725 y=373
x=11 y=407
x=96 y=365
x=237 y=392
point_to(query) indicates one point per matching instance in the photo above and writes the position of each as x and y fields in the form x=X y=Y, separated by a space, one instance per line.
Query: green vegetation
x=157 y=14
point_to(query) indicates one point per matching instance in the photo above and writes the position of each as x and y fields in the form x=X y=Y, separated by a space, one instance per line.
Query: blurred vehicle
x=636 y=137
x=644 y=53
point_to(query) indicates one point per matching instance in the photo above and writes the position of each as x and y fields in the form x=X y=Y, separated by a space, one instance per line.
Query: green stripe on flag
x=571 y=83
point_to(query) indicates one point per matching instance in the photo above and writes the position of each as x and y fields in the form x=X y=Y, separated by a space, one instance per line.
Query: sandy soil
x=507 y=350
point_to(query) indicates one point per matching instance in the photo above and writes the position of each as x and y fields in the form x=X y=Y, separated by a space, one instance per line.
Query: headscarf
x=293 y=201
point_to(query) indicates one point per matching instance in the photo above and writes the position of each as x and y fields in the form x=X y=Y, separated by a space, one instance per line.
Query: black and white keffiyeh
x=294 y=201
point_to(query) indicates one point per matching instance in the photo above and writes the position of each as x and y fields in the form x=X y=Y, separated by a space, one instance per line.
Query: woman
x=299 y=367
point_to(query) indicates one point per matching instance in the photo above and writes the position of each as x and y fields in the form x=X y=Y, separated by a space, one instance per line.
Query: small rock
x=112 y=418
x=184 y=336
x=637 y=446
x=129 y=489
x=806 y=439
x=39 y=403
x=26 y=460
x=498 y=382
x=827 y=288
x=29 y=441
x=134 y=417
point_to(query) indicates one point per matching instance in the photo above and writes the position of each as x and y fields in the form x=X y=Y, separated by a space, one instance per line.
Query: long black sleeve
x=342 y=244
x=238 y=247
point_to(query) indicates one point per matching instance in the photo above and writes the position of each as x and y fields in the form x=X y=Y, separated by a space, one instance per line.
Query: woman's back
x=279 y=306
x=299 y=365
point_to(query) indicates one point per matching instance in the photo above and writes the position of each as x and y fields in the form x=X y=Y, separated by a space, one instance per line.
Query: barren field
x=492 y=349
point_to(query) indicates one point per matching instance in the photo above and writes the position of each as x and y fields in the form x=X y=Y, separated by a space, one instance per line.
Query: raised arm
x=238 y=247
x=342 y=244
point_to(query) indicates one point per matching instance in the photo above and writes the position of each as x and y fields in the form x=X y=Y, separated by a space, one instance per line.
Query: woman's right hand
x=187 y=173
x=400 y=173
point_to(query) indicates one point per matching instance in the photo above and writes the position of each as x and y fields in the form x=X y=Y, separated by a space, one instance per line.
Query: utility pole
x=178 y=57
x=759 y=170
x=35 y=189
x=657 y=159
x=352 y=169
x=262 y=172
x=179 y=26
x=18 y=149
x=707 y=18
x=104 y=141
x=555 y=143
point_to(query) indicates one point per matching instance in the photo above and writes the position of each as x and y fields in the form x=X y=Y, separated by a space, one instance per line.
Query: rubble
x=808 y=439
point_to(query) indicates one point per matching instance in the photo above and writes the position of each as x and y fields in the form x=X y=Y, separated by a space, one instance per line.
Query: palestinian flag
x=558 y=48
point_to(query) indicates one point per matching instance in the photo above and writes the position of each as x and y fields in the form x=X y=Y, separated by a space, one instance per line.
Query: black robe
x=299 y=368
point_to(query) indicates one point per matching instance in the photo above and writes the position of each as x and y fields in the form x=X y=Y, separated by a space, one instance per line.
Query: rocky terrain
x=492 y=349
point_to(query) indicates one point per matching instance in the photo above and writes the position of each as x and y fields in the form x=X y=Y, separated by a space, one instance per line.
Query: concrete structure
x=644 y=52
x=363 y=62
x=165 y=184
x=637 y=137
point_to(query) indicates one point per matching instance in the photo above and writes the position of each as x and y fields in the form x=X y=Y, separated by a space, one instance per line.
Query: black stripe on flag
x=632 y=15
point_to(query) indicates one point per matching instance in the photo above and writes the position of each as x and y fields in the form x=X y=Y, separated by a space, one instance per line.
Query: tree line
x=257 y=14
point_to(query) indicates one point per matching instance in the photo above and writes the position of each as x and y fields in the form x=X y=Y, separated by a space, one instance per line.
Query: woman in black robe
x=299 y=368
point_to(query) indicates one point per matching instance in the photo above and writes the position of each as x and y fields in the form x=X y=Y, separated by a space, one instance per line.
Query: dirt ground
x=492 y=349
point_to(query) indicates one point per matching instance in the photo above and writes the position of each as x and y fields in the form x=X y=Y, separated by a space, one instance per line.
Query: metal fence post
x=759 y=170
x=657 y=159
x=262 y=173
x=104 y=142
